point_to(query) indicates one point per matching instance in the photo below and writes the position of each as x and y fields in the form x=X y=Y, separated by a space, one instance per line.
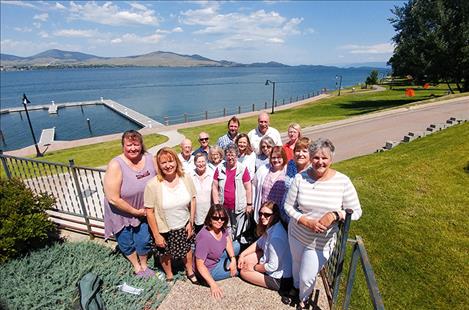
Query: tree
x=432 y=41
x=372 y=78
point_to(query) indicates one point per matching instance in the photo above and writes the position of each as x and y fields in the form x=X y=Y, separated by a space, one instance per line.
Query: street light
x=340 y=82
x=273 y=92
x=25 y=104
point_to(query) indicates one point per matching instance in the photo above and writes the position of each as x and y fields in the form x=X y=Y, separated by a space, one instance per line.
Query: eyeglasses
x=266 y=215
x=204 y=139
x=266 y=147
x=218 y=218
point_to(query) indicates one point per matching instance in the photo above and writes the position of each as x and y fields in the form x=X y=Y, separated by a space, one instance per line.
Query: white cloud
x=42 y=17
x=23 y=29
x=59 y=6
x=21 y=4
x=37 y=25
x=28 y=49
x=76 y=33
x=177 y=29
x=380 y=48
x=241 y=29
x=43 y=34
x=109 y=14
x=133 y=38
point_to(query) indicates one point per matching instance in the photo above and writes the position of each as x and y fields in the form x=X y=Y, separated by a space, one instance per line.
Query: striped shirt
x=313 y=198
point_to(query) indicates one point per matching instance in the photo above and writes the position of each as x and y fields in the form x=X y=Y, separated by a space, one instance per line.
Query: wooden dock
x=133 y=115
x=47 y=136
x=126 y=112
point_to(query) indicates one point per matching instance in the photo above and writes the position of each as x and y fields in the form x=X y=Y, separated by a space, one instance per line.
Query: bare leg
x=143 y=261
x=166 y=264
x=133 y=258
x=188 y=263
x=250 y=275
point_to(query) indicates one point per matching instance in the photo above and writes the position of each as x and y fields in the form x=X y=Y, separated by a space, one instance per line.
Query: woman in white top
x=170 y=201
x=268 y=260
x=316 y=201
x=246 y=155
x=265 y=147
x=202 y=177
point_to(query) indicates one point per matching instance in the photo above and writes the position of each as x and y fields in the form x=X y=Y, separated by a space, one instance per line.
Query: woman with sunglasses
x=265 y=146
x=215 y=251
x=267 y=261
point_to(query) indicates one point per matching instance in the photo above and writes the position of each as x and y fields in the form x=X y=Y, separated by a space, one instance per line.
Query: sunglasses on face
x=218 y=218
x=204 y=139
x=264 y=214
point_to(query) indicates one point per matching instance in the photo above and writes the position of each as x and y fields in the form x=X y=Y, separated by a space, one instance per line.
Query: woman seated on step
x=267 y=262
x=215 y=251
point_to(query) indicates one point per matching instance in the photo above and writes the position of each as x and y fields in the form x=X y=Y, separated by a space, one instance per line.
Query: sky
x=289 y=32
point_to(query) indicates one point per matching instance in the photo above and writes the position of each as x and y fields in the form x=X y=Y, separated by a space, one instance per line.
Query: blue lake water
x=155 y=92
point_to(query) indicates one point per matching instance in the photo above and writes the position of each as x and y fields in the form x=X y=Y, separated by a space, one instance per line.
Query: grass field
x=414 y=224
x=326 y=110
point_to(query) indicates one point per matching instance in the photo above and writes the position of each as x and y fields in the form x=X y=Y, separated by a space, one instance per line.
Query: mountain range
x=56 y=58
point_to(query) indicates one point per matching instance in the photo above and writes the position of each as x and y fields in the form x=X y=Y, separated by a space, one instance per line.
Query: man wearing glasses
x=204 y=146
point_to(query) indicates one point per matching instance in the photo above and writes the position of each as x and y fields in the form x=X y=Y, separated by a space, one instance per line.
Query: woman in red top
x=294 y=133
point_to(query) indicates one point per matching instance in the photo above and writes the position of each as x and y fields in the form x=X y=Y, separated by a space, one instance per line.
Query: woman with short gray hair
x=316 y=202
x=265 y=146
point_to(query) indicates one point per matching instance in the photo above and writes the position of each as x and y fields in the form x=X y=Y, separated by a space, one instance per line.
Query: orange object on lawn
x=426 y=85
x=410 y=92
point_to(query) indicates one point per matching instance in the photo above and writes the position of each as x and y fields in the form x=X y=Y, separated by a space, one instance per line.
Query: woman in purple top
x=213 y=245
x=124 y=212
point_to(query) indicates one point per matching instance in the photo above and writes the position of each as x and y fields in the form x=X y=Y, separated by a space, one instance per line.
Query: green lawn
x=327 y=110
x=414 y=222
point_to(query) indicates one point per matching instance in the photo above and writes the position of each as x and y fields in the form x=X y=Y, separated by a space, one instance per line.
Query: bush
x=24 y=224
x=46 y=279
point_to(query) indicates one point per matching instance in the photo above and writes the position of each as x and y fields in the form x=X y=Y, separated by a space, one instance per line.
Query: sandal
x=192 y=278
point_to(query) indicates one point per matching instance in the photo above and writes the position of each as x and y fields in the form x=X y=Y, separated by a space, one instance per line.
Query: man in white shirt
x=186 y=157
x=263 y=129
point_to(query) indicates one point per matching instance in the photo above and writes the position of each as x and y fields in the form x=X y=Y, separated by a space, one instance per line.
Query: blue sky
x=290 y=32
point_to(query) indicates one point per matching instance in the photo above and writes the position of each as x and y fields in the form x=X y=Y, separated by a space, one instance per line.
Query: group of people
x=248 y=206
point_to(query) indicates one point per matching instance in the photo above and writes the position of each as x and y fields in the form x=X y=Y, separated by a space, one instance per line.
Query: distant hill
x=56 y=58
x=374 y=64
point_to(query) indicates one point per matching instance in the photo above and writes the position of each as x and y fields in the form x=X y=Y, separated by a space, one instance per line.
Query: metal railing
x=232 y=110
x=332 y=272
x=78 y=190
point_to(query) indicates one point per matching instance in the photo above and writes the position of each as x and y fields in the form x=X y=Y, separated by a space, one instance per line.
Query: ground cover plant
x=414 y=222
x=329 y=109
x=47 y=278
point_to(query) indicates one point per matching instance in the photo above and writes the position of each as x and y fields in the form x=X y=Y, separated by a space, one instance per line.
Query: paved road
x=365 y=134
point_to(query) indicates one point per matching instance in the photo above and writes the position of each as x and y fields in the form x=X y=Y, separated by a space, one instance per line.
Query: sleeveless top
x=132 y=188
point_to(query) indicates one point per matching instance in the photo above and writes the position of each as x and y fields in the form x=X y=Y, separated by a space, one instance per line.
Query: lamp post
x=25 y=104
x=338 y=77
x=268 y=82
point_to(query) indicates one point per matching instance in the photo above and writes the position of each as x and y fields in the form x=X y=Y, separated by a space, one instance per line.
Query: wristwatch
x=337 y=216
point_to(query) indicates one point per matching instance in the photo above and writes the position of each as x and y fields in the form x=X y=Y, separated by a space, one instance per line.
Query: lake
x=155 y=92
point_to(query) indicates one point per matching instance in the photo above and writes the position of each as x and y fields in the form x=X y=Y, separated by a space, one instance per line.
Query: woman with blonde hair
x=247 y=156
x=170 y=200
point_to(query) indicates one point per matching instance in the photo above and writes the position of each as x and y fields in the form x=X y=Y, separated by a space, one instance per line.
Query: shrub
x=24 y=224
